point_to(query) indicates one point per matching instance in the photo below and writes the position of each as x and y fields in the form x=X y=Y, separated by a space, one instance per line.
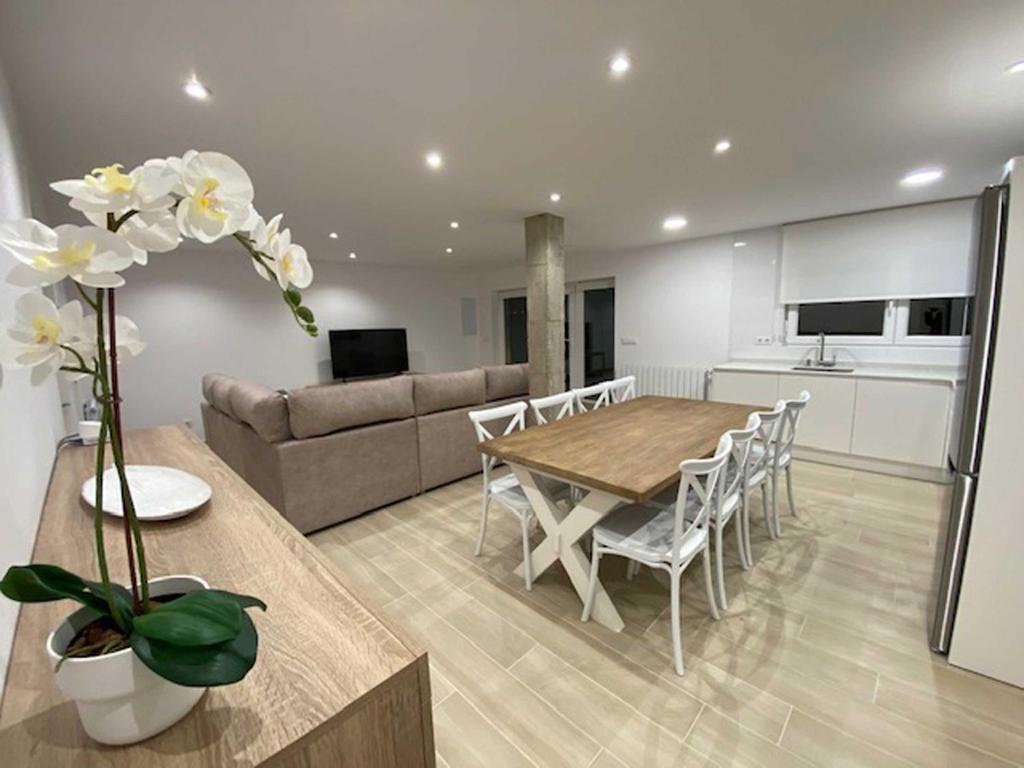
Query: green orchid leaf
x=122 y=597
x=200 y=665
x=243 y=601
x=293 y=297
x=39 y=583
x=203 y=617
x=305 y=313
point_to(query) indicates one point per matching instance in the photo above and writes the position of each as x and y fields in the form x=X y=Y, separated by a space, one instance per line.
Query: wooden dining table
x=620 y=454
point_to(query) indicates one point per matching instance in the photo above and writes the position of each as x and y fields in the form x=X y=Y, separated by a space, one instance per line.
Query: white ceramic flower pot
x=119 y=699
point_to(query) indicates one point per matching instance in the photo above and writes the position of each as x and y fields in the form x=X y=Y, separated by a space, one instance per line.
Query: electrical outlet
x=763 y=340
x=629 y=341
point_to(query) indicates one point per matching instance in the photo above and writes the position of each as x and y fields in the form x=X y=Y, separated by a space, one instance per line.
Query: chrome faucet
x=821 y=349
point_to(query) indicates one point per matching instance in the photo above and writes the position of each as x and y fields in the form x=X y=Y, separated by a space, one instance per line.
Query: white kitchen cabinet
x=747 y=388
x=905 y=421
x=827 y=421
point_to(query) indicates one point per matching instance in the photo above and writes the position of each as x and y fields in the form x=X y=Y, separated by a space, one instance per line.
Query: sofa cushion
x=217 y=391
x=504 y=381
x=261 y=408
x=444 y=391
x=327 y=408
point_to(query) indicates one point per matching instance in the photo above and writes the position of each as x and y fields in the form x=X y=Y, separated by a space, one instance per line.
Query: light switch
x=629 y=341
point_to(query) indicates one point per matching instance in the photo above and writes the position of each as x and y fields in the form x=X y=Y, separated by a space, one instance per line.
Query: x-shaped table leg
x=564 y=532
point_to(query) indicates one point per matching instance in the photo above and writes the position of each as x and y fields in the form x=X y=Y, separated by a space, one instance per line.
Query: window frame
x=904 y=339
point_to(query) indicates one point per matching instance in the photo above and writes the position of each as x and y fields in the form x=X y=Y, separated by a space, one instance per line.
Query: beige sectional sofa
x=326 y=453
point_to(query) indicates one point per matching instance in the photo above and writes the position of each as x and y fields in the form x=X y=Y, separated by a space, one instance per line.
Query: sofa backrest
x=326 y=408
x=435 y=392
x=505 y=381
x=261 y=408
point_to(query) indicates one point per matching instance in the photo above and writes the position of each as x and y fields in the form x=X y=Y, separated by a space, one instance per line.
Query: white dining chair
x=565 y=402
x=666 y=538
x=787 y=438
x=506 y=489
x=622 y=389
x=593 y=397
x=762 y=470
x=732 y=502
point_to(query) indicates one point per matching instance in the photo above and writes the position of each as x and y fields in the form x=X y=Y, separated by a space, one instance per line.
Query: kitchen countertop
x=951 y=375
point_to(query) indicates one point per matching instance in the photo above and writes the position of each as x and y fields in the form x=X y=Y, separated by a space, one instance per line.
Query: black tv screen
x=371 y=352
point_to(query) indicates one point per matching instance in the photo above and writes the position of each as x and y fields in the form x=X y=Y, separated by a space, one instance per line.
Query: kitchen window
x=937 y=322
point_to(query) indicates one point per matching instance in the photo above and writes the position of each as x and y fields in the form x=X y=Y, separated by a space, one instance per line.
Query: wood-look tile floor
x=821 y=658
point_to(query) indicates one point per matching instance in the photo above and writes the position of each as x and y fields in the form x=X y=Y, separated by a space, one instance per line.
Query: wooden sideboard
x=333 y=685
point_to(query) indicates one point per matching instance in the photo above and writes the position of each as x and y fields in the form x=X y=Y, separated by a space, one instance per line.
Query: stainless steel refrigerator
x=965 y=454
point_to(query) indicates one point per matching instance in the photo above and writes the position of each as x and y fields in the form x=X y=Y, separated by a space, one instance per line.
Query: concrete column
x=545 y=303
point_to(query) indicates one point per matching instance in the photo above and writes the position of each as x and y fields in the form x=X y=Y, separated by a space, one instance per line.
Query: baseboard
x=881 y=466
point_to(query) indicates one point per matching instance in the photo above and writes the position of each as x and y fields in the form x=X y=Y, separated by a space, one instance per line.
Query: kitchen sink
x=823 y=368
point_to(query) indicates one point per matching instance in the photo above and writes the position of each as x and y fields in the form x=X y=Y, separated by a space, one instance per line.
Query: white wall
x=203 y=311
x=696 y=303
x=30 y=417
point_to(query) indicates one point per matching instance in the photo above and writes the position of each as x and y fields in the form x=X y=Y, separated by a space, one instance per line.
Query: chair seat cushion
x=507 y=490
x=647 y=532
x=758 y=450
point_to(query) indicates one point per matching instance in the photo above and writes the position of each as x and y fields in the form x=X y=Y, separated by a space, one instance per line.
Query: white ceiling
x=332 y=105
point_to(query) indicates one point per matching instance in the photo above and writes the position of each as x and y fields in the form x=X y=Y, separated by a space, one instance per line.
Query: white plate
x=160 y=493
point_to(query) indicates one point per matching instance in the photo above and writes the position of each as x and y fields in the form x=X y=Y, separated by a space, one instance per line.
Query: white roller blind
x=916 y=252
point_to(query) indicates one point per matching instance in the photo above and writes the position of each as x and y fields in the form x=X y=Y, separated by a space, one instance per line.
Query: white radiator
x=670 y=380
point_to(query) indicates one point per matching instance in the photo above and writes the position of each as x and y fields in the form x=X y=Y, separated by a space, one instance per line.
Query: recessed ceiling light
x=194 y=88
x=333 y=235
x=673 y=223
x=620 y=64
x=921 y=177
x=722 y=146
x=434 y=160
x=1016 y=68
x=554 y=197
x=454 y=225
x=447 y=250
x=739 y=244
x=352 y=255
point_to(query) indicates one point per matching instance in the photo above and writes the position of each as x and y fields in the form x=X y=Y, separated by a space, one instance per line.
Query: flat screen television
x=370 y=352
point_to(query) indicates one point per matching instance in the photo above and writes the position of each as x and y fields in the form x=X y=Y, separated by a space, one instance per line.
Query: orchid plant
x=203 y=638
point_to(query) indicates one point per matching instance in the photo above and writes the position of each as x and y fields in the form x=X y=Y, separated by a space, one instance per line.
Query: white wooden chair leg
x=527 y=565
x=588 y=604
x=746 y=528
x=789 y=491
x=677 y=639
x=740 y=547
x=720 y=568
x=483 y=525
x=768 y=522
x=708 y=588
x=775 y=504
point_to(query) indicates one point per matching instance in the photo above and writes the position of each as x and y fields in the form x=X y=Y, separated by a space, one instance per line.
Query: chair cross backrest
x=736 y=472
x=622 y=389
x=514 y=414
x=700 y=476
x=564 y=401
x=767 y=437
x=600 y=393
x=790 y=419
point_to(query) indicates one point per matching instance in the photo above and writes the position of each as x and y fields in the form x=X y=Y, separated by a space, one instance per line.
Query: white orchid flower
x=88 y=255
x=261 y=234
x=129 y=340
x=35 y=338
x=290 y=263
x=108 y=190
x=218 y=197
x=146 y=231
